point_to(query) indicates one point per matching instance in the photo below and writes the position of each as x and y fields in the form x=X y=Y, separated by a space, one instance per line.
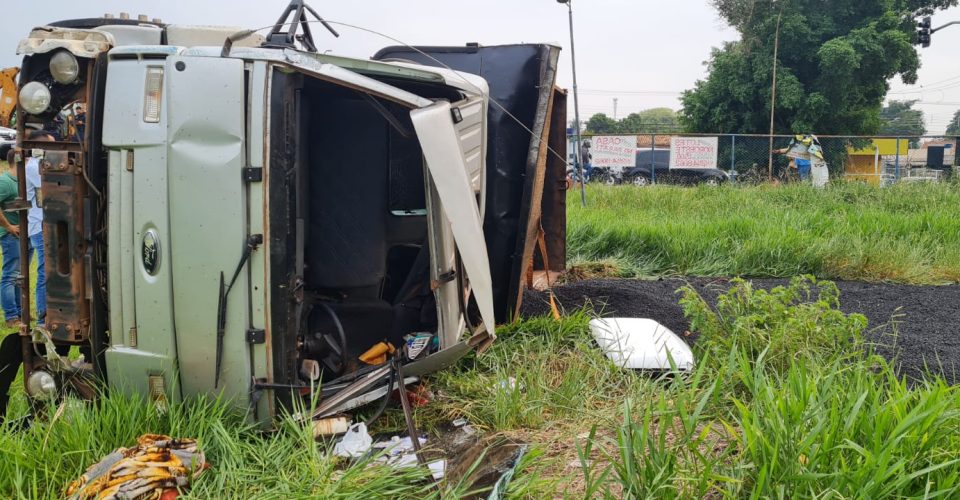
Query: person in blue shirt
x=807 y=157
x=803 y=168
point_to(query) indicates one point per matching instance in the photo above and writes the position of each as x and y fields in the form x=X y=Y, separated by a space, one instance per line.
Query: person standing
x=586 y=159
x=35 y=224
x=819 y=172
x=9 y=244
x=807 y=156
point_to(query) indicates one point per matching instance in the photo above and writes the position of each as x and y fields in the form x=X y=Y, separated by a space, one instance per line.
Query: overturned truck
x=236 y=214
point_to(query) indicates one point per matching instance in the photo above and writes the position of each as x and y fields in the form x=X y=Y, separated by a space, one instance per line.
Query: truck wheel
x=641 y=180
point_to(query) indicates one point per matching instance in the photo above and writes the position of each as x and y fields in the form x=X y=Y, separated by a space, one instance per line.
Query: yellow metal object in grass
x=377 y=355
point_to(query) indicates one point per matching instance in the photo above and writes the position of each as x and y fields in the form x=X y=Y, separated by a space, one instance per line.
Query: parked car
x=8 y=138
x=642 y=175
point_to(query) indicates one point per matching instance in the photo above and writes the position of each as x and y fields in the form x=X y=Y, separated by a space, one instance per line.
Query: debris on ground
x=641 y=344
x=330 y=426
x=377 y=354
x=503 y=482
x=416 y=344
x=464 y=425
x=355 y=443
x=508 y=385
x=400 y=452
x=914 y=323
x=158 y=467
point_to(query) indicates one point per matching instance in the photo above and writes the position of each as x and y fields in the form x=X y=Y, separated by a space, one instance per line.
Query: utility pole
x=578 y=162
x=614 y=109
x=773 y=92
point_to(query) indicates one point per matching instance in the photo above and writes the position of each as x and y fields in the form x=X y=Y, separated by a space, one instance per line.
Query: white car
x=8 y=138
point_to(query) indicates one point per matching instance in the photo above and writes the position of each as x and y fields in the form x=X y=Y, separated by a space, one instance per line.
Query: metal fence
x=878 y=160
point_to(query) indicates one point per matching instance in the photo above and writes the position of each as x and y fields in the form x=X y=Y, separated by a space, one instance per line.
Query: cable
x=386 y=397
x=428 y=56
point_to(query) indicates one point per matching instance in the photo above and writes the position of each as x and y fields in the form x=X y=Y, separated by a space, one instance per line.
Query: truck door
x=174 y=131
x=208 y=226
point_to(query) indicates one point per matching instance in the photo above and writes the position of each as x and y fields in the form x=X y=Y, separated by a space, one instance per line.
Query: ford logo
x=150 y=252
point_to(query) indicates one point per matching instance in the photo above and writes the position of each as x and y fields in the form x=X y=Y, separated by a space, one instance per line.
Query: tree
x=833 y=69
x=899 y=118
x=954 y=127
x=651 y=121
x=648 y=121
x=601 y=124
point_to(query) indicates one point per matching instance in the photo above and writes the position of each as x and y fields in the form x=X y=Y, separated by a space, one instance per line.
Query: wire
x=428 y=56
x=459 y=74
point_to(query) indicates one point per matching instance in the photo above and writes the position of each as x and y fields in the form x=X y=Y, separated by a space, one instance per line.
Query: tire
x=640 y=180
x=610 y=180
x=712 y=182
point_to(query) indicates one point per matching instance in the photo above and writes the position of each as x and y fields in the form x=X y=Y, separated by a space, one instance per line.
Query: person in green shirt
x=9 y=244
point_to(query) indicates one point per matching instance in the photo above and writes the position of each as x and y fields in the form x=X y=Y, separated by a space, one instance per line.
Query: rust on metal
x=65 y=246
x=554 y=205
x=535 y=197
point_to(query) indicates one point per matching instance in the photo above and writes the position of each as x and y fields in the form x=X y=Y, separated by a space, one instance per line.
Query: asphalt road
x=916 y=326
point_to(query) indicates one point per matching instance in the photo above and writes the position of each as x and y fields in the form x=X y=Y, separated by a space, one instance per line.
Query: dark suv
x=641 y=174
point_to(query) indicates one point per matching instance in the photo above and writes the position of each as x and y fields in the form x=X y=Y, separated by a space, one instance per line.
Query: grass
x=41 y=461
x=907 y=233
x=787 y=399
x=765 y=414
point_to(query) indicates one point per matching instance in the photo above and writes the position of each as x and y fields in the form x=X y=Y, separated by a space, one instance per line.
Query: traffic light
x=923 y=33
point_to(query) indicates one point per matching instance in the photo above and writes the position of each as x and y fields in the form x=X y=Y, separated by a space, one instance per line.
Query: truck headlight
x=35 y=98
x=64 y=67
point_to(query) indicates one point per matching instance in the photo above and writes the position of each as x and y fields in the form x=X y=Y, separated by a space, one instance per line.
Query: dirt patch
x=590 y=271
x=918 y=326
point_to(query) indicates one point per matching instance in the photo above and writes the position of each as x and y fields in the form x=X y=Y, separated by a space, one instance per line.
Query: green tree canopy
x=648 y=121
x=954 y=127
x=601 y=124
x=899 y=118
x=835 y=62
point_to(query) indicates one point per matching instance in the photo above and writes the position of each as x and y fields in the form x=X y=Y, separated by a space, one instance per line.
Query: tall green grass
x=811 y=416
x=786 y=401
x=907 y=233
x=41 y=461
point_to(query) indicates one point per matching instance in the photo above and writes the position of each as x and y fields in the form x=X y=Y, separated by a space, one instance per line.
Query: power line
x=629 y=92
x=952 y=78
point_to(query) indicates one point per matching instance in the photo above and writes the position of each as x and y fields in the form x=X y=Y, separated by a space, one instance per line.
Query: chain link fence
x=745 y=158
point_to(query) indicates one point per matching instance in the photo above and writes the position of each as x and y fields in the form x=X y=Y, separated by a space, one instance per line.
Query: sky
x=643 y=53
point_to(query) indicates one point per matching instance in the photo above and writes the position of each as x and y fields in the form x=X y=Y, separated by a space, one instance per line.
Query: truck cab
x=238 y=216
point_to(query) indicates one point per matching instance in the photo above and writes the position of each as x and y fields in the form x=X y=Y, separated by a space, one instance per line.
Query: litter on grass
x=641 y=344
x=355 y=443
x=158 y=467
x=330 y=426
x=400 y=452
x=508 y=385
x=396 y=452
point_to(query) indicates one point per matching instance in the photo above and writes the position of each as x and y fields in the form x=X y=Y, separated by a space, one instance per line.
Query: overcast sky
x=641 y=52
